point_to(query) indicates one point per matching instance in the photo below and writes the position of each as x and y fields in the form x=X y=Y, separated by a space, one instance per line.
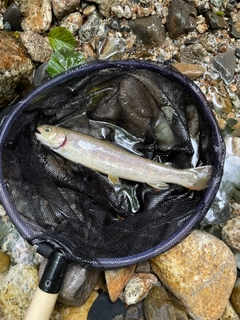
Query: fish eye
x=47 y=129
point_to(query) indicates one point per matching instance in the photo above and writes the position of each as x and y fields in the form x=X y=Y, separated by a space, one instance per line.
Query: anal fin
x=159 y=185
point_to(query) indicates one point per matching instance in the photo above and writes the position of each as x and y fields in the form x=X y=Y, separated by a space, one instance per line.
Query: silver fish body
x=106 y=158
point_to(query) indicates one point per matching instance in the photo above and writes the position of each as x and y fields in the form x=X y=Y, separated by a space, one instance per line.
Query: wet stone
x=41 y=75
x=149 y=31
x=216 y=3
x=224 y=64
x=115 y=24
x=104 y=309
x=12 y=15
x=37 y=46
x=235 y=30
x=89 y=29
x=214 y=21
x=181 y=18
x=192 y=71
x=237 y=53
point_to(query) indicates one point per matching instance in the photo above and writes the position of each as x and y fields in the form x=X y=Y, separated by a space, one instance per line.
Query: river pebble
x=200 y=272
x=191 y=70
x=215 y=21
x=149 y=31
x=231 y=233
x=12 y=15
x=61 y=8
x=225 y=64
x=181 y=18
x=117 y=279
x=235 y=296
x=37 y=15
x=89 y=29
x=72 y=22
x=37 y=46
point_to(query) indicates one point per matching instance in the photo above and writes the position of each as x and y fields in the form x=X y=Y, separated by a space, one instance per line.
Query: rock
x=37 y=46
x=224 y=64
x=13 y=16
x=181 y=18
x=37 y=15
x=162 y=305
x=61 y=8
x=194 y=53
x=41 y=75
x=89 y=10
x=108 y=48
x=138 y=287
x=17 y=290
x=192 y=71
x=216 y=3
x=89 y=29
x=231 y=233
x=77 y=313
x=235 y=297
x=235 y=30
x=214 y=21
x=143 y=267
x=117 y=279
x=77 y=285
x=229 y=313
x=104 y=309
x=4 y=262
x=14 y=66
x=201 y=272
x=209 y=42
x=150 y=30
x=135 y=312
x=72 y=22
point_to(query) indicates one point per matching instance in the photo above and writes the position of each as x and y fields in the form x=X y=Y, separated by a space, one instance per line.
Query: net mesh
x=78 y=209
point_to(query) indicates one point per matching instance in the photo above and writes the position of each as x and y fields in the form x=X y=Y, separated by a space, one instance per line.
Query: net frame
x=184 y=230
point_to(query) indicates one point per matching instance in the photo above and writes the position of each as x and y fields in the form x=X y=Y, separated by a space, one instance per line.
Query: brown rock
x=77 y=313
x=61 y=8
x=117 y=279
x=37 y=15
x=191 y=70
x=231 y=233
x=235 y=297
x=14 y=66
x=201 y=272
x=4 y=262
x=229 y=313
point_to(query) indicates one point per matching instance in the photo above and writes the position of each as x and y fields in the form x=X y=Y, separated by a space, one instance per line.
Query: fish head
x=51 y=136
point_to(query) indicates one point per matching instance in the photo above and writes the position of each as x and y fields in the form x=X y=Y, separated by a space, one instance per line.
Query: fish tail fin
x=199 y=178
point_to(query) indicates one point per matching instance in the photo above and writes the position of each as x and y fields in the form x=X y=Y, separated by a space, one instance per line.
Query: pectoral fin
x=113 y=179
x=159 y=185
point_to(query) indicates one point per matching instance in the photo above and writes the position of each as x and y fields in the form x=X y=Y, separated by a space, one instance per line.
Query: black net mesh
x=139 y=107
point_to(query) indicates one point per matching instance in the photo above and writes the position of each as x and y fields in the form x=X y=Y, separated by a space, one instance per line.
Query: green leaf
x=60 y=37
x=64 y=60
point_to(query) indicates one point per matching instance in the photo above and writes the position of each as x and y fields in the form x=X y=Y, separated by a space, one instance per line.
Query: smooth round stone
x=12 y=16
x=41 y=75
x=104 y=309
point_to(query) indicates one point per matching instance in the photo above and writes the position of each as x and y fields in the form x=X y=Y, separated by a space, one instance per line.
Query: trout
x=108 y=159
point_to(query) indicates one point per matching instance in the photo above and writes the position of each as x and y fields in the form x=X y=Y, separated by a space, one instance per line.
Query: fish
x=115 y=162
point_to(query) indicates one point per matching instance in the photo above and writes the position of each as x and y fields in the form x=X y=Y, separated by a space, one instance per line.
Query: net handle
x=45 y=297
